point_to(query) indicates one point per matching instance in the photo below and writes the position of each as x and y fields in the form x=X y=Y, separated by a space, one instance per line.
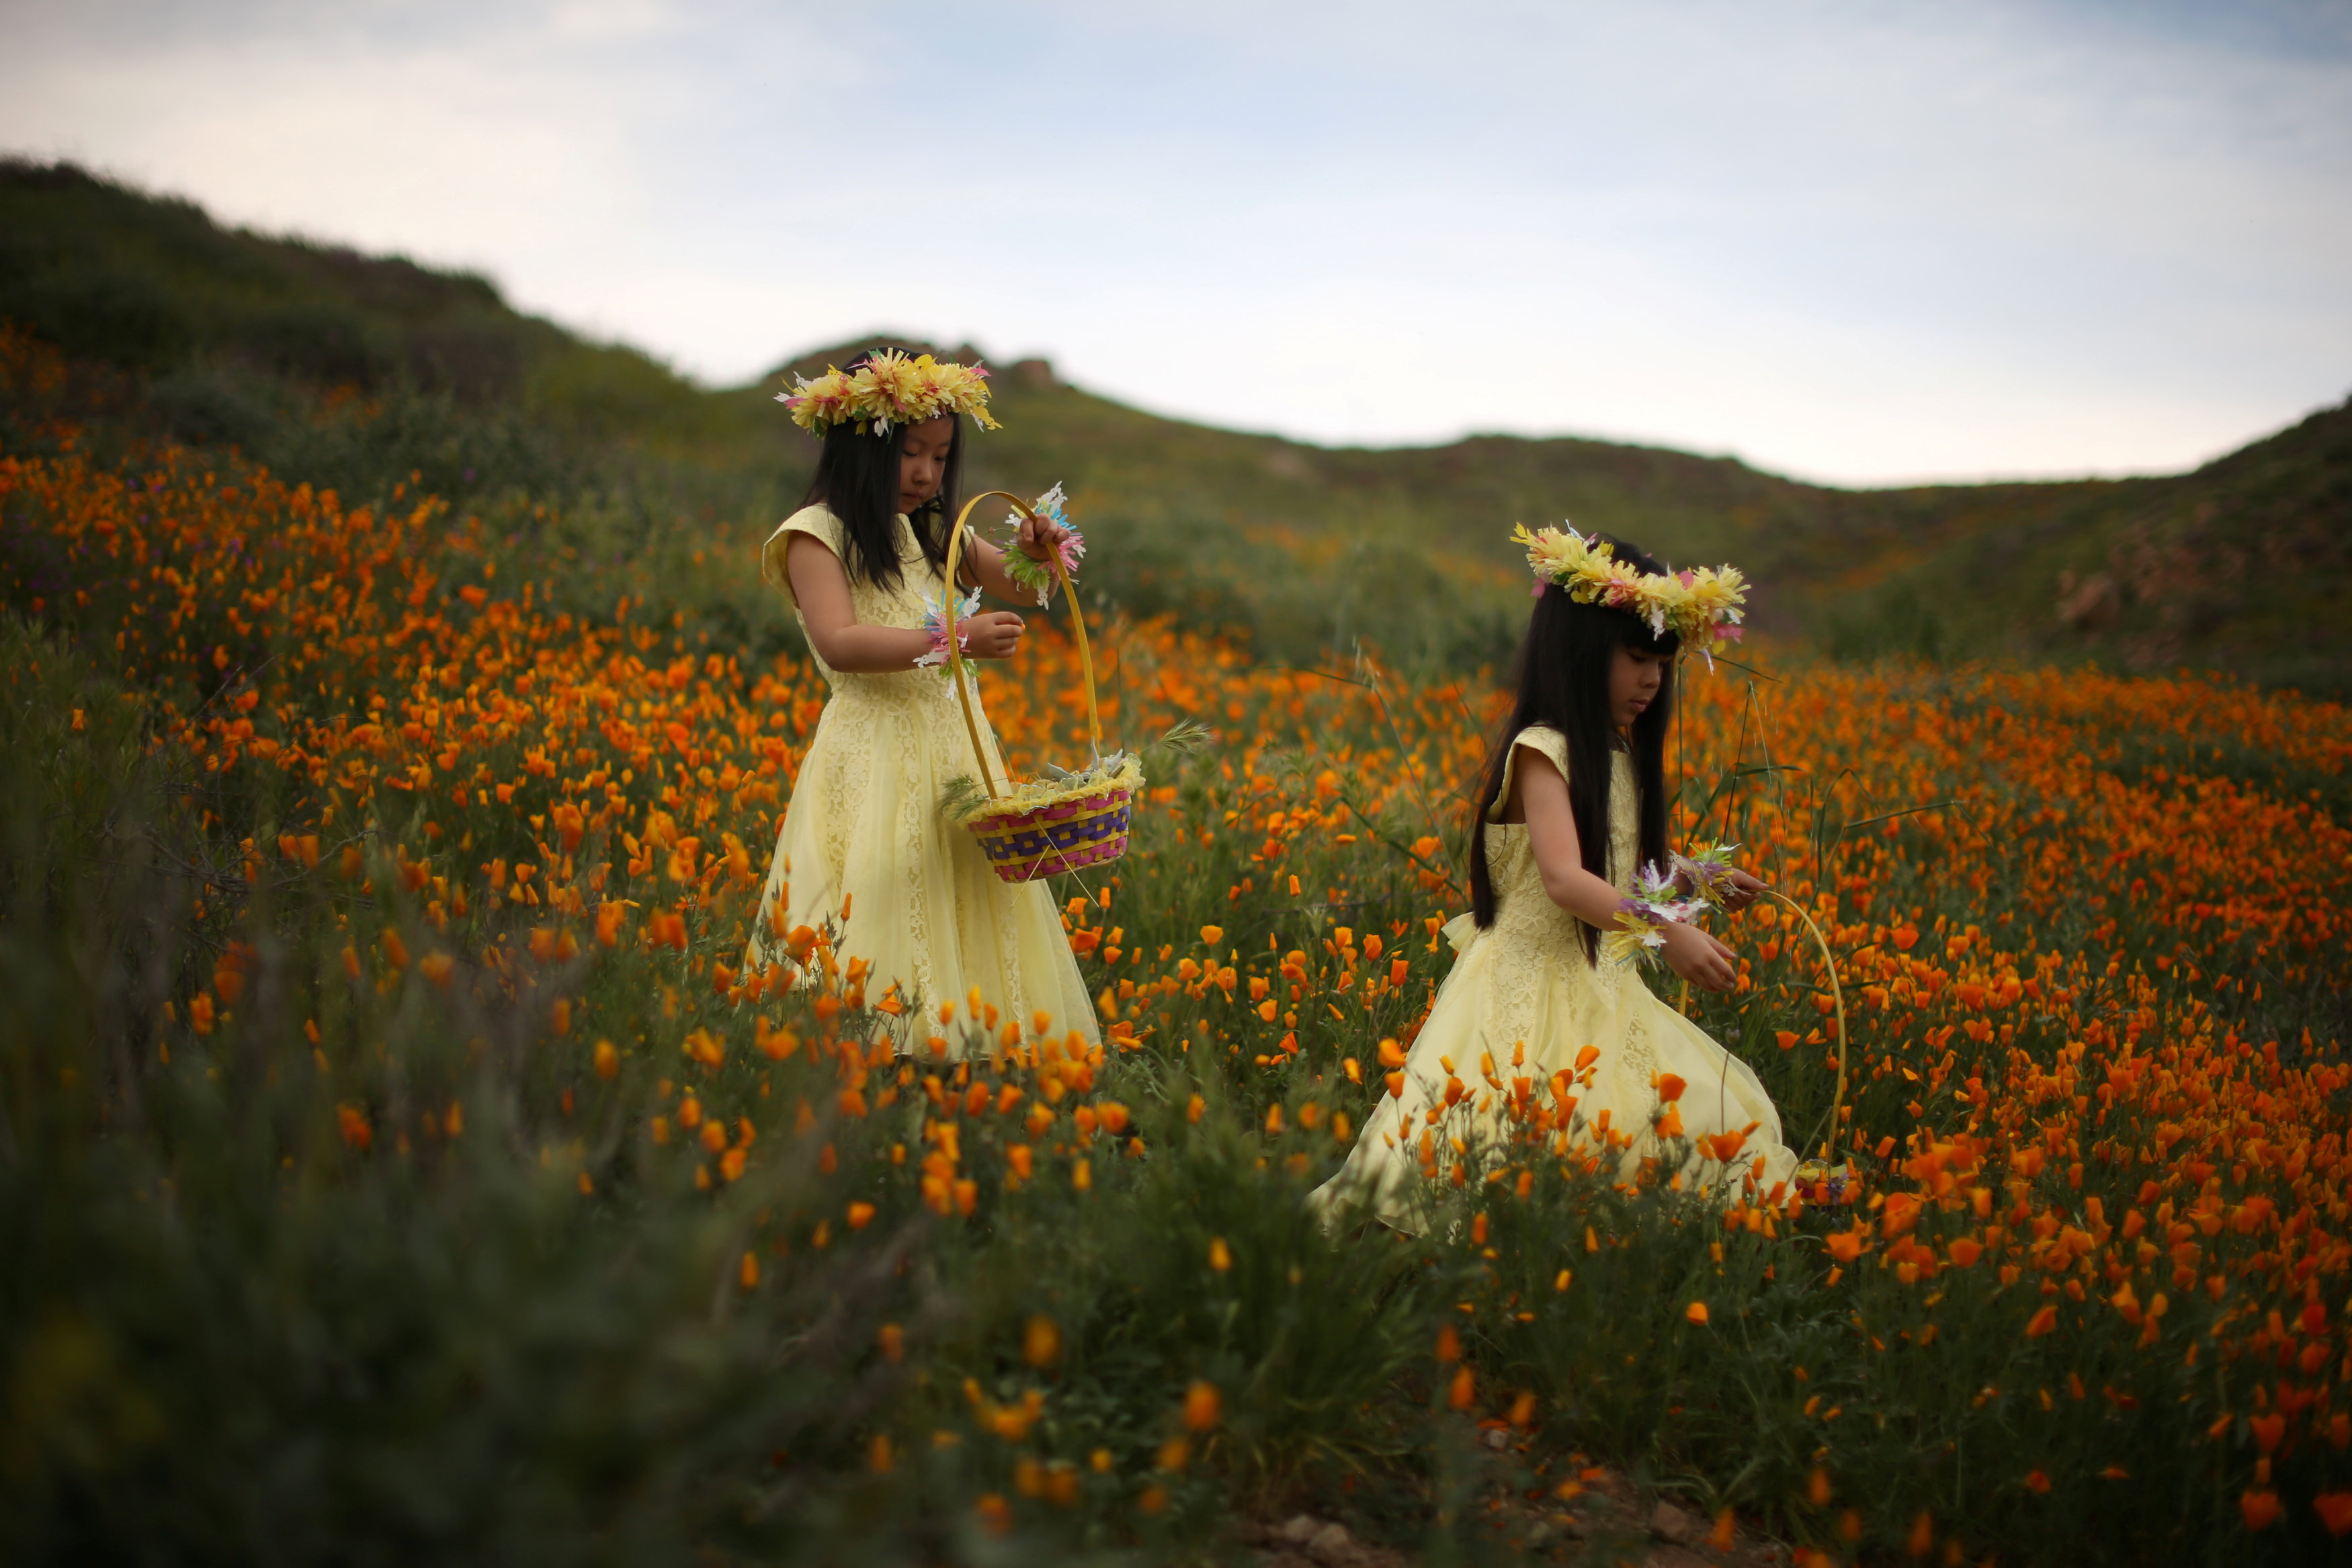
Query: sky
x=1859 y=241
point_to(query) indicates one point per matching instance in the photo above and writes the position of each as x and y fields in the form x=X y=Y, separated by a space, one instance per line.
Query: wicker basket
x=1040 y=832
x=1828 y=1186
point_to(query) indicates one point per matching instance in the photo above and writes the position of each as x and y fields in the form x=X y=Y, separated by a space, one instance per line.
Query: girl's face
x=1635 y=675
x=923 y=460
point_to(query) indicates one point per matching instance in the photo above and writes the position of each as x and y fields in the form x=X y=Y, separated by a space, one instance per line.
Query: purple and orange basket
x=1036 y=835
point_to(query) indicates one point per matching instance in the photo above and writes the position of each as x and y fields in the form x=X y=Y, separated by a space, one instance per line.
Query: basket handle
x=1837 y=996
x=955 y=655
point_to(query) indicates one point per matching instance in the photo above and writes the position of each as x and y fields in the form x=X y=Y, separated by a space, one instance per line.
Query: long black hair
x=1561 y=677
x=857 y=480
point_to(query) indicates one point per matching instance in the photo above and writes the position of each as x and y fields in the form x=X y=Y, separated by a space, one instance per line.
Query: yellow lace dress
x=862 y=829
x=1525 y=983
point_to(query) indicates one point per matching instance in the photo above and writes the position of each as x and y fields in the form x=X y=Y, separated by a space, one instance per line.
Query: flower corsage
x=1706 y=873
x=1697 y=882
x=1036 y=575
x=935 y=623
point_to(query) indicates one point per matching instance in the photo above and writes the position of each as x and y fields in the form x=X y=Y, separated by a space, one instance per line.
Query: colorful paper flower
x=1032 y=574
x=934 y=624
x=1707 y=872
x=1703 y=606
x=1660 y=898
x=890 y=388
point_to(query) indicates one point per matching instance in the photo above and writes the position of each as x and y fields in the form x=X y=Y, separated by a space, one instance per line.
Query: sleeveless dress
x=926 y=913
x=1525 y=981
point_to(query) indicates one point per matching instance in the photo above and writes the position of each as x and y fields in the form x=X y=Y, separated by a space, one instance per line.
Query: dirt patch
x=1596 y=1517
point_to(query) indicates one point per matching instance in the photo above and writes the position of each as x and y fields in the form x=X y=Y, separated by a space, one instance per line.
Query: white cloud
x=1858 y=241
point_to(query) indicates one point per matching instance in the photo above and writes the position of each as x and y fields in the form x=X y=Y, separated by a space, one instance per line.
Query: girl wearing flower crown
x=863 y=847
x=1570 y=881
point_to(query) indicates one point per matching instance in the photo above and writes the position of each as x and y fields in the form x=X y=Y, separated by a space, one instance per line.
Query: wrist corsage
x=935 y=623
x=1036 y=575
x=1644 y=916
x=1706 y=872
x=1698 y=883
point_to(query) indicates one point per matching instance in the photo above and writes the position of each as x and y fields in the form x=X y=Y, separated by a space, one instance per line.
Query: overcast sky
x=1860 y=240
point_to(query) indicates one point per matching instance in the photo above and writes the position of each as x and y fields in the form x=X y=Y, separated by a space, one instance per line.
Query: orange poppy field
x=398 y=1148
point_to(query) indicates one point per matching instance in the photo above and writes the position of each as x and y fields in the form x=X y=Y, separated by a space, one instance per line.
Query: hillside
x=2240 y=565
x=366 y=372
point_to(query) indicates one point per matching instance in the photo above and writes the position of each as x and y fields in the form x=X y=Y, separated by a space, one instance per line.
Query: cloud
x=1854 y=240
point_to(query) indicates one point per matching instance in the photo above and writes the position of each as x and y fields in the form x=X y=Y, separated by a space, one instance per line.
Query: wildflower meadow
x=398 y=1163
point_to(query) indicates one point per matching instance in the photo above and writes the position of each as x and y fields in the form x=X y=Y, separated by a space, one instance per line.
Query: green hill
x=2240 y=565
x=368 y=372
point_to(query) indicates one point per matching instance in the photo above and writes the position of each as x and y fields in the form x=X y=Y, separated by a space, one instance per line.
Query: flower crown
x=1703 y=607
x=890 y=388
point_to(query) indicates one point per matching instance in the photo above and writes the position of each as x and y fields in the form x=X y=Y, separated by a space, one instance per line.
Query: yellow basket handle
x=955 y=653
x=1837 y=996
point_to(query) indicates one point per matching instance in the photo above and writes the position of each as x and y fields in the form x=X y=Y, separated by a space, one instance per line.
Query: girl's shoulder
x=1547 y=742
x=818 y=522
x=815 y=518
x=1553 y=744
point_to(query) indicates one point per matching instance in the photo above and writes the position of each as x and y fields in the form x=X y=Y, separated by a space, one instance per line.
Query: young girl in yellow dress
x=862 y=845
x=1571 y=805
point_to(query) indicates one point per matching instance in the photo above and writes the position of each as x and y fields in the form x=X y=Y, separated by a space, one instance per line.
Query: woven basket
x=1038 y=832
x=1828 y=1186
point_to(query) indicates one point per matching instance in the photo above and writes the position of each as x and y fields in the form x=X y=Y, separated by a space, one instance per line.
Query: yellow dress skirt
x=862 y=832
x=1523 y=986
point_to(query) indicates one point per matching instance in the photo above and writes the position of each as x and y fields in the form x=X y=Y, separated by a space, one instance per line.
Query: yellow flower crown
x=1703 y=607
x=890 y=388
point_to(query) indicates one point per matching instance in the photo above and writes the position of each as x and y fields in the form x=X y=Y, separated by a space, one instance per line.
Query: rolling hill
x=370 y=372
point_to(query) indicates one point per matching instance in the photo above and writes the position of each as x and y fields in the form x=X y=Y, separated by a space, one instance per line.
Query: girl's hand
x=991 y=634
x=1744 y=890
x=1040 y=539
x=1700 y=958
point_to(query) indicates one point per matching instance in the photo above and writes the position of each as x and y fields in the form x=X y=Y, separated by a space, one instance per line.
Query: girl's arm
x=1542 y=800
x=821 y=587
x=1542 y=795
x=1037 y=538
